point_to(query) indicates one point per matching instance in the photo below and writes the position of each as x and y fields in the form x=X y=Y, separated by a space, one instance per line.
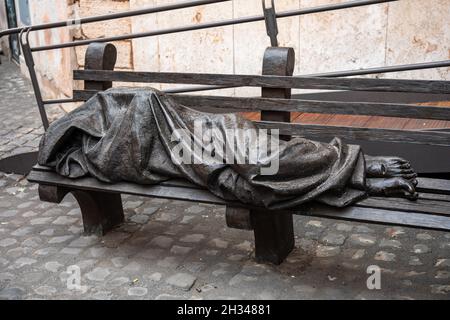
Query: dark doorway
x=12 y=23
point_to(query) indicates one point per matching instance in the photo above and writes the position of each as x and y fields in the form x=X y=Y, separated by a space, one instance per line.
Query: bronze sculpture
x=126 y=135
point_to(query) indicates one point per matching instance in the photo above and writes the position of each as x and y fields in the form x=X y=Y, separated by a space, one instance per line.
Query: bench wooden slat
x=354 y=84
x=357 y=213
x=420 y=205
x=157 y=191
x=322 y=132
x=439 y=186
x=238 y=104
x=381 y=216
x=170 y=183
x=434 y=196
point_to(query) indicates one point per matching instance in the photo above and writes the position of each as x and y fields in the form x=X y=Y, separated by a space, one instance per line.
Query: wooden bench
x=101 y=204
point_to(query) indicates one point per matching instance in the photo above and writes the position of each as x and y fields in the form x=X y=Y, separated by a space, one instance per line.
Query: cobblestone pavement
x=174 y=250
x=20 y=127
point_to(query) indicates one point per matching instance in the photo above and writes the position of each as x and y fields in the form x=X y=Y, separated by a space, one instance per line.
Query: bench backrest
x=275 y=103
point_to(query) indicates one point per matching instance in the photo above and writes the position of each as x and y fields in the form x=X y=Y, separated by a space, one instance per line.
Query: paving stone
x=26 y=204
x=132 y=267
x=236 y=257
x=140 y=218
x=307 y=290
x=187 y=219
x=132 y=204
x=137 y=291
x=441 y=274
x=114 y=239
x=45 y=251
x=102 y=295
x=3 y=262
x=327 y=251
x=33 y=242
x=335 y=239
x=156 y=277
x=358 y=254
x=29 y=214
x=18 y=252
x=53 y=266
x=244 y=246
x=421 y=248
x=254 y=269
x=180 y=250
x=219 y=243
x=389 y=243
x=7 y=242
x=64 y=220
x=415 y=261
x=75 y=229
x=362 y=240
x=363 y=229
x=182 y=281
x=71 y=251
x=23 y=231
x=148 y=210
x=74 y=212
x=45 y=290
x=86 y=264
x=119 y=282
x=194 y=267
x=8 y=213
x=12 y=294
x=169 y=262
x=313 y=235
x=162 y=242
x=24 y=261
x=424 y=236
x=83 y=242
x=384 y=256
x=195 y=209
x=443 y=263
x=315 y=223
x=59 y=239
x=167 y=217
x=192 y=238
x=166 y=296
x=344 y=227
x=440 y=289
x=98 y=274
x=394 y=232
x=241 y=279
x=39 y=221
x=210 y=252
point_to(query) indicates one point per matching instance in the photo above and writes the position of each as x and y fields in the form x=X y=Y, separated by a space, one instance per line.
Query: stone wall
x=54 y=67
x=372 y=36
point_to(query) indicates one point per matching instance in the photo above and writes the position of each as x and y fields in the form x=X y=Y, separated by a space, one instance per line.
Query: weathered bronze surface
x=125 y=135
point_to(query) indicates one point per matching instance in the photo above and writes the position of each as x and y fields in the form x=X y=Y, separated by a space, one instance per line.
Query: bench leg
x=274 y=236
x=274 y=232
x=101 y=211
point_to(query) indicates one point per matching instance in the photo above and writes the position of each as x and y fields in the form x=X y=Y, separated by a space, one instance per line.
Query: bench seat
x=430 y=211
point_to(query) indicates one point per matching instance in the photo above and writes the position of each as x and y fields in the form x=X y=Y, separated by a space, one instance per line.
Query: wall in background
x=386 y=34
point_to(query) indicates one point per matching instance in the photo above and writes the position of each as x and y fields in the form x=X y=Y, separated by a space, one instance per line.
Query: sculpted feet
x=396 y=186
x=387 y=167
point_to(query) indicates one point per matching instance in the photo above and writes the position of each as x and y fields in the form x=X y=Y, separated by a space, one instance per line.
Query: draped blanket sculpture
x=127 y=135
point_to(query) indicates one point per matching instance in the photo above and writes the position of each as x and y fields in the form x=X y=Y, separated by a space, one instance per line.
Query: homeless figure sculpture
x=127 y=135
